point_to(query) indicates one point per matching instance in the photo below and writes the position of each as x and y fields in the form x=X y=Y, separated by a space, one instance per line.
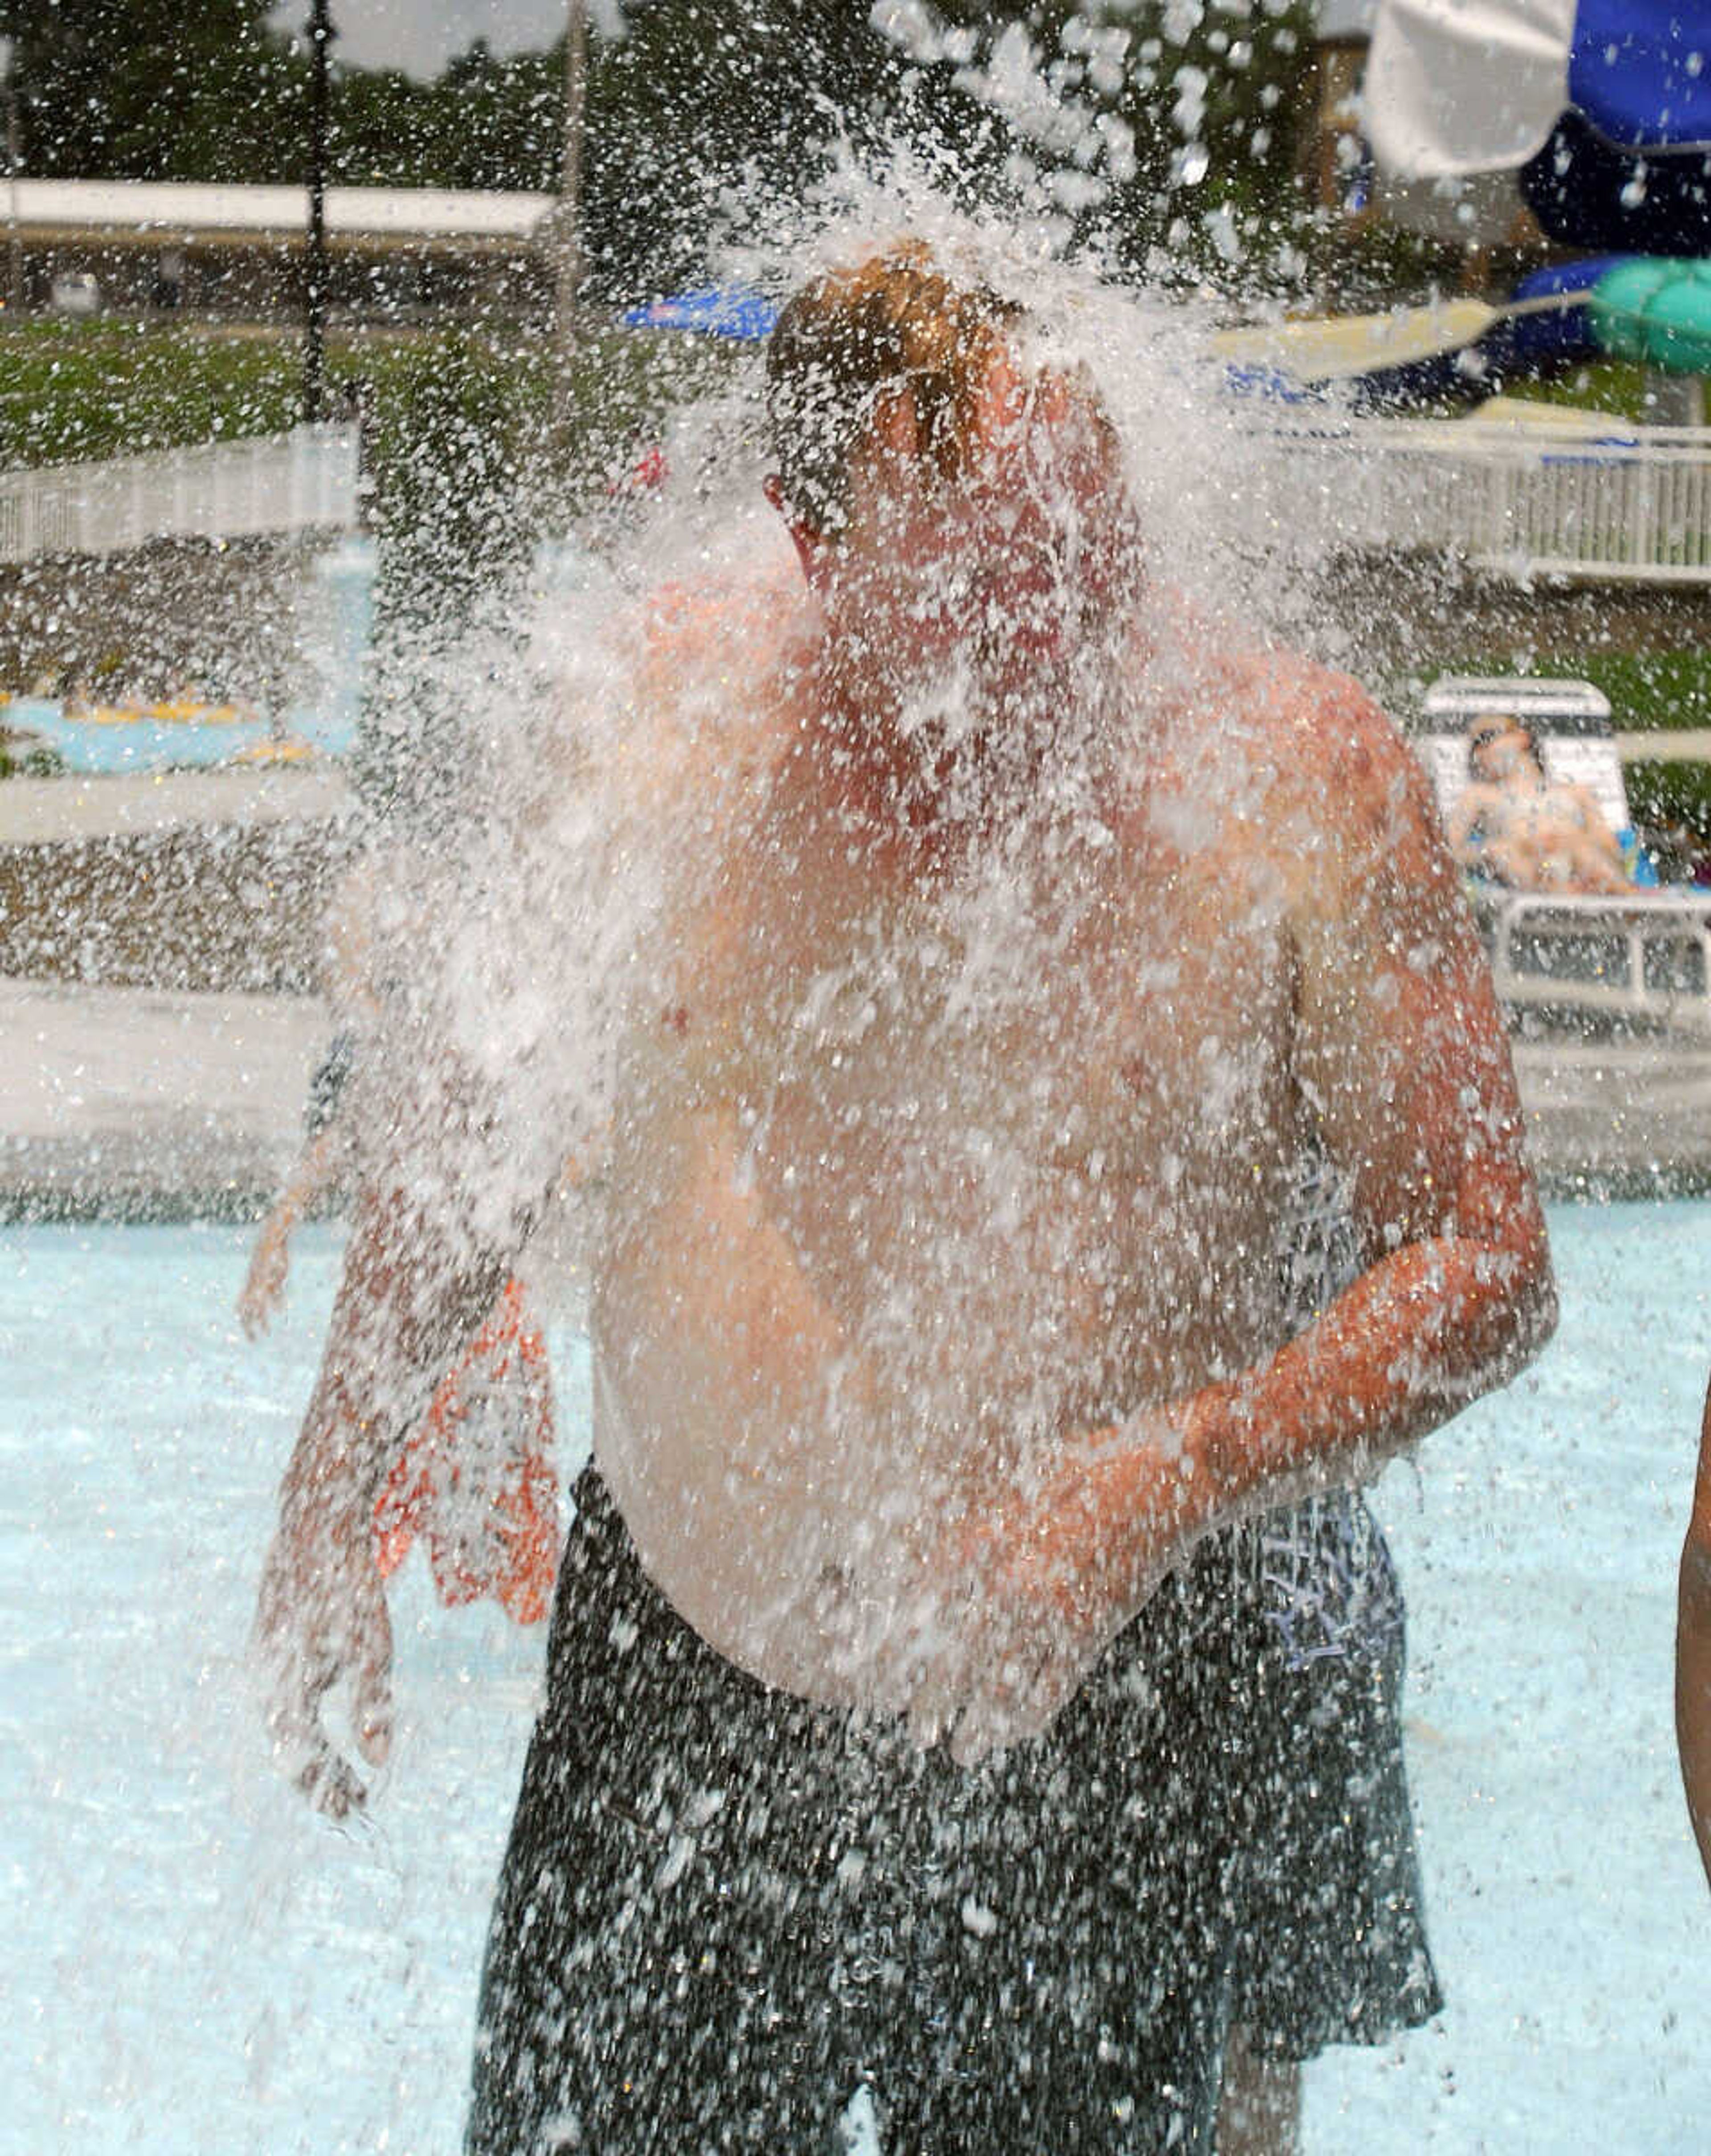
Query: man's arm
x=1693 y=1652
x=417 y=1285
x=1401 y=1052
x=315 y=1168
x=1400 y=1048
x=1463 y=818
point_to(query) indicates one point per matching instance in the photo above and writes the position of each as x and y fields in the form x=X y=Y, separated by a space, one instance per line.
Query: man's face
x=1002 y=562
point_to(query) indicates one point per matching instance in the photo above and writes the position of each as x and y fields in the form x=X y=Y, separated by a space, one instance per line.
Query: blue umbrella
x=1595 y=113
x=730 y=311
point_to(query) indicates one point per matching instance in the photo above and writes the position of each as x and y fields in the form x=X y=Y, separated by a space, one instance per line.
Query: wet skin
x=936 y=1318
x=941 y=1313
x=1693 y=1652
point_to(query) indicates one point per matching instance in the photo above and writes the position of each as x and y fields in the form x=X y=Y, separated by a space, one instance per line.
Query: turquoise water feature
x=112 y=740
x=199 y=1964
x=100 y=746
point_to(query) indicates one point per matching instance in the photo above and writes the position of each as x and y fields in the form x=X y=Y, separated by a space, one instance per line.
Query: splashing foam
x=549 y=954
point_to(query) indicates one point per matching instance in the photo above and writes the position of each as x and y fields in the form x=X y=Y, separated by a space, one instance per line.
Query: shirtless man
x=1693 y=1651
x=1018 y=942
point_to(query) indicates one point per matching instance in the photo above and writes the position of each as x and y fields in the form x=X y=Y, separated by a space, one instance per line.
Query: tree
x=151 y=90
x=1158 y=122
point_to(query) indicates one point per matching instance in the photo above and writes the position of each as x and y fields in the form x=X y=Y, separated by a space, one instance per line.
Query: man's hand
x=1033 y=1596
x=264 y=1284
x=410 y=1298
x=321 y=1619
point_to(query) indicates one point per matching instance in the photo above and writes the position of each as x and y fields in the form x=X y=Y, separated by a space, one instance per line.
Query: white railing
x=303 y=480
x=1631 y=504
x=1641 y=960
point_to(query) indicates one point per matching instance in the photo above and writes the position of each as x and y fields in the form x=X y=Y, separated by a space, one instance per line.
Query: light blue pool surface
x=196 y=1963
x=324 y=722
x=100 y=747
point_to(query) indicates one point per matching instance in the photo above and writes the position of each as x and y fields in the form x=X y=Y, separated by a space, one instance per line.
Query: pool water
x=197 y=1964
x=187 y=737
x=108 y=741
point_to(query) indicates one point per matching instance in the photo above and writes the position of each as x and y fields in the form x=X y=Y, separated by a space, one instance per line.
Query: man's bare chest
x=1002 y=1031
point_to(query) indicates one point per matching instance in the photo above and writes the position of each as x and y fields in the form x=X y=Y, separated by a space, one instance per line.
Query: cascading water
x=528 y=922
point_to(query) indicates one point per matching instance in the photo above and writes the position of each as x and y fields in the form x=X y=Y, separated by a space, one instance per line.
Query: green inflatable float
x=1657 y=310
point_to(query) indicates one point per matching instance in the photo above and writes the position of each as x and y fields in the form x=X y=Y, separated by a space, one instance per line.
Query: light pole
x=14 y=299
x=320 y=36
x=568 y=252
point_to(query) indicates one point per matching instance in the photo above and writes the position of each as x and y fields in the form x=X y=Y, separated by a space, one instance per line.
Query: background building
x=394 y=253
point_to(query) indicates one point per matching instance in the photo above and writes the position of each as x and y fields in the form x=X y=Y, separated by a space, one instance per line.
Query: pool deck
x=136 y=1103
x=65 y=811
x=140 y=1103
x=1618 y=1119
x=154 y=1102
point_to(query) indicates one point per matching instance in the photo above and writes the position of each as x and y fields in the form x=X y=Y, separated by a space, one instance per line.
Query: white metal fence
x=1642 y=960
x=1530 y=501
x=1633 y=505
x=303 y=480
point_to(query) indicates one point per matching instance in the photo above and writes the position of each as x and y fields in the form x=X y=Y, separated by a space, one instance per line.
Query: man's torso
x=1023 y=1126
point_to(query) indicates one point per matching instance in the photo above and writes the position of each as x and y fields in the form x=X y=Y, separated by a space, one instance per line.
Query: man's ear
x=811 y=549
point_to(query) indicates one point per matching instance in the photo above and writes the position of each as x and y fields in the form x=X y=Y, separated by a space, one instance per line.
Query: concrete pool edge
x=120 y=1104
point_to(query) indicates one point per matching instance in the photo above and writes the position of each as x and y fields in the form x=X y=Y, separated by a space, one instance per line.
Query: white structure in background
x=194 y=210
x=303 y=480
x=1451 y=91
x=1587 y=498
x=236 y=250
x=1455 y=97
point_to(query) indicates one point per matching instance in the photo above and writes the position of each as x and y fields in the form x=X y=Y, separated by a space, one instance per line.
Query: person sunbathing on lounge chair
x=1515 y=825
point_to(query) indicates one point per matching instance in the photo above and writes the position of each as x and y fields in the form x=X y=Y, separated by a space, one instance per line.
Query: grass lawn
x=74 y=391
x=1604 y=385
x=1648 y=691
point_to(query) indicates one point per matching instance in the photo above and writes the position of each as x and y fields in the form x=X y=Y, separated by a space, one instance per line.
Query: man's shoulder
x=743 y=620
x=1331 y=745
x=716 y=663
x=1319 y=779
x=1313 y=713
x=1223 y=678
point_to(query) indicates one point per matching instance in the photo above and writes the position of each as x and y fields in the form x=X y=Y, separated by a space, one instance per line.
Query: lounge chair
x=1639 y=960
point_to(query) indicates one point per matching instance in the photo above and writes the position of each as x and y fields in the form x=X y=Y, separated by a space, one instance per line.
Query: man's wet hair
x=895 y=320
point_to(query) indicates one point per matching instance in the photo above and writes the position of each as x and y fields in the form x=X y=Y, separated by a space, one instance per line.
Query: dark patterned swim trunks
x=723 y=1911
